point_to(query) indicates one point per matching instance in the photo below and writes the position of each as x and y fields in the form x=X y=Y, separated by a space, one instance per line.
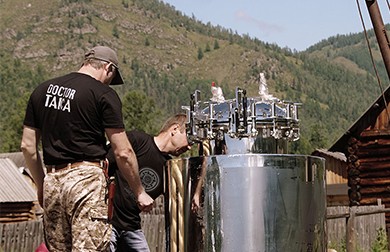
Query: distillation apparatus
x=255 y=125
x=244 y=192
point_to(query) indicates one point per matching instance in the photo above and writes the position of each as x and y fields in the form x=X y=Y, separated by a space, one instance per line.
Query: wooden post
x=380 y=32
x=351 y=231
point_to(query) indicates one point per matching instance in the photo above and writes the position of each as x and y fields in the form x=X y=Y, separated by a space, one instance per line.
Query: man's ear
x=108 y=68
x=111 y=68
x=175 y=128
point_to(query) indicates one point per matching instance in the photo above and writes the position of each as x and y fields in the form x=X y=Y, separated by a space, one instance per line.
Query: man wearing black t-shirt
x=72 y=114
x=152 y=154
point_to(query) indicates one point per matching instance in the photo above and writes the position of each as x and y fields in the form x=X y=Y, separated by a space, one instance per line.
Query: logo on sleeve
x=149 y=179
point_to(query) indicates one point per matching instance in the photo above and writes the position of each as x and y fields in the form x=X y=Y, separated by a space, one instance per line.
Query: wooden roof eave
x=368 y=119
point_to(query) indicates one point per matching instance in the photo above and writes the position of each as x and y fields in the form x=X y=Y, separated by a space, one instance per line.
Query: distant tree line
x=332 y=96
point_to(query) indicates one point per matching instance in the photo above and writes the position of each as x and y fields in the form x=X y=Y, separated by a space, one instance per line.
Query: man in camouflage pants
x=72 y=114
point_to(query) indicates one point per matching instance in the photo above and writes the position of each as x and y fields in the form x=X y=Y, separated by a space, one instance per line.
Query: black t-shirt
x=151 y=163
x=72 y=112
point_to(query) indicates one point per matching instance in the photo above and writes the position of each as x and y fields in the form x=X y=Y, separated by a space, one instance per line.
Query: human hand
x=145 y=202
x=195 y=203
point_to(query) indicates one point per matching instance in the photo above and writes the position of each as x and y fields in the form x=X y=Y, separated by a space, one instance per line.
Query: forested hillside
x=165 y=56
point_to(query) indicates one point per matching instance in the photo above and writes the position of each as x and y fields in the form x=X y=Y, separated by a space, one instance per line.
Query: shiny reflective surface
x=242 y=117
x=246 y=202
x=248 y=145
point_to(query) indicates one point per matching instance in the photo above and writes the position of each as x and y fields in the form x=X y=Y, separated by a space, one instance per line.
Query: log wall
x=369 y=169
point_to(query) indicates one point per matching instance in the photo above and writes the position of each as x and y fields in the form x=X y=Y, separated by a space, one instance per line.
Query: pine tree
x=216 y=45
x=200 y=53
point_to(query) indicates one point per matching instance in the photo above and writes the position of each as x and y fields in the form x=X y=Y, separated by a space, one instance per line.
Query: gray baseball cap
x=105 y=53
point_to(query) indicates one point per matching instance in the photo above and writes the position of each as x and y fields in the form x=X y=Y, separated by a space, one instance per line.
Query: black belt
x=54 y=168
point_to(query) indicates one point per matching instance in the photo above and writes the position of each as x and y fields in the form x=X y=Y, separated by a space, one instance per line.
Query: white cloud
x=262 y=26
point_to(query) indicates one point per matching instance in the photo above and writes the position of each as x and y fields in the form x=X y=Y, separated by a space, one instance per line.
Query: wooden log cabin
x=366 y=146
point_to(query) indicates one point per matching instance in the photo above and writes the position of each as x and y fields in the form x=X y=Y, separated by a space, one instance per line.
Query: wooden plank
x=377 y=152
x=351 y=231
x=21 y=231
x=374 y=190
x=375 y=181
x=339 y=200
x=370 y=159
x=10 y=215
x=375 y=174
x=371 y=200
x=337 y=189
x=375 y=133
x=373 y=166
x=15 y=219
x=374 y=144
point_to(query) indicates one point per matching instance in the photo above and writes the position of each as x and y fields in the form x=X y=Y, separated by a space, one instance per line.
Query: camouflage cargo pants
x=75 y=211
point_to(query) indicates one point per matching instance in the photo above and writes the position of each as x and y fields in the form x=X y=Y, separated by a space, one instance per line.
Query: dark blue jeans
x=131 y=241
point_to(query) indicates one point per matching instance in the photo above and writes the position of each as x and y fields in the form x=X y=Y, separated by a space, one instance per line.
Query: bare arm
x=128 y=165
x=29 y=147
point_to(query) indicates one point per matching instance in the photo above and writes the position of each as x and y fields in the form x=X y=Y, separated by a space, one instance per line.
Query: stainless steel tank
x=246 y=202
x=243 y=193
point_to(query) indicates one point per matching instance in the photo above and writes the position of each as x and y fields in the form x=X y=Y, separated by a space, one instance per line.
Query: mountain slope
x=167 y=56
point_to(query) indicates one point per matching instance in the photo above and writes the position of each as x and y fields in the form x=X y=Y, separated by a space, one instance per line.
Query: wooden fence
x=355 y=227
x=153 y=226
x=26 y=236
x=21 y=236
x=154 y=229
x=362 y=228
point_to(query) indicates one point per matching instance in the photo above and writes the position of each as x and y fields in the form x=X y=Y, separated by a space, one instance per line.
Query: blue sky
x=294 y=24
